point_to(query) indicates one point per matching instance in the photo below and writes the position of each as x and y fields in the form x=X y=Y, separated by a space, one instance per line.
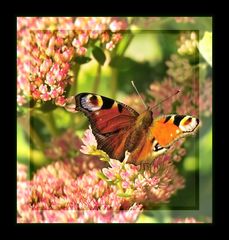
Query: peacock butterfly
x=119 y=128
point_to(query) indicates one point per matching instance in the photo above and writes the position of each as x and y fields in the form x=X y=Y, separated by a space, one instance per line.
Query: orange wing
x=167 y=129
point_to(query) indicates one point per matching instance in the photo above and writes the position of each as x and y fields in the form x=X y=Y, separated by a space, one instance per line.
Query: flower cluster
x=57 y=194
x=206 y=98
x=64 y=150
x=186 y=102
x=145 y=184
x=187 y=43
x=179 y=68
x=194 y=102
x=148 y=184
x=46 y=46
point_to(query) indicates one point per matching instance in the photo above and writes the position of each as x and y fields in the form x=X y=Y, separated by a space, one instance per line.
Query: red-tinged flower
x=81 y=51
x=94 y=34
x=116 y=38
x=116 y=25
x=83 y=38
x=36 y=94
x=105 y=37
x=60 y=101
x=110 y=45
x=45 y=96
x=76 y=43
x=45 y=66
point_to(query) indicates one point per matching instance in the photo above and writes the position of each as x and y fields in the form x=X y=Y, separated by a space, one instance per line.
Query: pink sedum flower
x=89 y=141
x=55 y=194
x=47 y=45
x=110 y=46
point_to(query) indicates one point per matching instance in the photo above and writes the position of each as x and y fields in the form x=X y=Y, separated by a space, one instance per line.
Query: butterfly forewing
x=105 y=115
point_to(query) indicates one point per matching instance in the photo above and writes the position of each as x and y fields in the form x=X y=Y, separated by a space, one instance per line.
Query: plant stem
x=114 y=80
x=97 y=79
x=128 y=41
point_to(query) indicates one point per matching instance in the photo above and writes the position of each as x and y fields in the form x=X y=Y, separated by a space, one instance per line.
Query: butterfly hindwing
x=169 y=128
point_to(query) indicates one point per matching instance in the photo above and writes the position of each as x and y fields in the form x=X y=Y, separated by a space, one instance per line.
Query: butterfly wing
x=165 y=130
x=106 y=115
x=111 y=121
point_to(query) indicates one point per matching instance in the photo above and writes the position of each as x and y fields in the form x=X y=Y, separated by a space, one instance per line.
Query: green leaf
x=205 y=47
x=99 y=55
x=122 y=63
x=48 y=106
x=82 y=59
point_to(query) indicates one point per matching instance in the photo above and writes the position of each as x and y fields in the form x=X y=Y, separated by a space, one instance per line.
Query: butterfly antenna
x=177 y=91
x=132 y=82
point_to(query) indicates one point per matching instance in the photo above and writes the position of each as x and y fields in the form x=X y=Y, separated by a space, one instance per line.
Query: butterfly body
x=119 y=128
